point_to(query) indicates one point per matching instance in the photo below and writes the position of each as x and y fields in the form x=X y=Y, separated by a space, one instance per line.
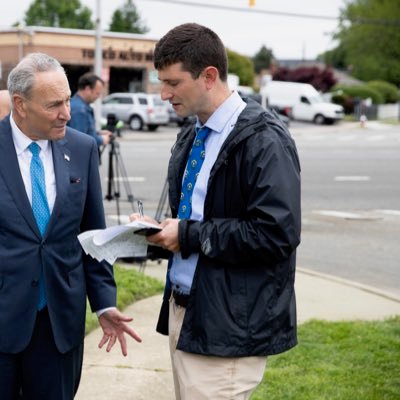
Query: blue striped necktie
x=40 y=207
x=193 y=166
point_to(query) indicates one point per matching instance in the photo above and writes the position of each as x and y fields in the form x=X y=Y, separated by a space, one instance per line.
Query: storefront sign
x=124 y=55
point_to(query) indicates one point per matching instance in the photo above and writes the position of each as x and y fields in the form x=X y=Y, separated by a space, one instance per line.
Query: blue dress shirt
x=82 y=118
x=221 y=123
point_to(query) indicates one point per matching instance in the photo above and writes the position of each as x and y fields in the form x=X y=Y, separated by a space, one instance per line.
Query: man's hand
x=114 y=325
x=106 y=136
x=167 y=238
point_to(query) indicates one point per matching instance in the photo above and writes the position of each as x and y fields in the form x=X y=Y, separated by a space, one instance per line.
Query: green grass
x=356 y=360
x=337 y=361
x=131 y=286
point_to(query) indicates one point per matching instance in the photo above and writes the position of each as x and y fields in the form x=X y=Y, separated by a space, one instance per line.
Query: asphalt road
x=350 y=195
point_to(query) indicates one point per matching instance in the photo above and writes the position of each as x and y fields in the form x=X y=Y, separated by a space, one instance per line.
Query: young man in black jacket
x=229 y=299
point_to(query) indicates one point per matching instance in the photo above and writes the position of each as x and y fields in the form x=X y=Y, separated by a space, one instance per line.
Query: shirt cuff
x=103 y=310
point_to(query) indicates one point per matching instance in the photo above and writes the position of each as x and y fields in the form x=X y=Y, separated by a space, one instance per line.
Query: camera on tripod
x=114 y=125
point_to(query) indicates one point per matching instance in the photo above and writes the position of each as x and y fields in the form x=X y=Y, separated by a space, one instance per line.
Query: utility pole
x=98 y=59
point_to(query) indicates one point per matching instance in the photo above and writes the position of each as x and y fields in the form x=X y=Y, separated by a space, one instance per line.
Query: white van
x=300 y=100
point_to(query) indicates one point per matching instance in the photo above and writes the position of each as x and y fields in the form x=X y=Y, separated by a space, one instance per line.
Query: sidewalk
x=145 y=374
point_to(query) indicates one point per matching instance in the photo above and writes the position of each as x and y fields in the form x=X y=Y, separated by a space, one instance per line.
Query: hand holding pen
x=140 y=208
x=167 y=238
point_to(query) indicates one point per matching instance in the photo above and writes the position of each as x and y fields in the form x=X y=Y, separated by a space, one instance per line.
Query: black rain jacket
x=242 y=301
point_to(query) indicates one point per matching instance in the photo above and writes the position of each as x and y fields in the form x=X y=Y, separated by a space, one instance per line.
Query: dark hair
x=193 y=45
x=88 y=79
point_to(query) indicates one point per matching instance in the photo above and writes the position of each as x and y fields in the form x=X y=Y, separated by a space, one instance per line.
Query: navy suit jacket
x=69 y=274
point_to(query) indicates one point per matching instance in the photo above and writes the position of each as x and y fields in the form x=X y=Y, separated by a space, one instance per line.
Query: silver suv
x=137 y=109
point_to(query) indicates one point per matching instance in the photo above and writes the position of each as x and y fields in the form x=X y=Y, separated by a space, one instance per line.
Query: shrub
x=346 y=101
x=389 y=91
x=361 y=92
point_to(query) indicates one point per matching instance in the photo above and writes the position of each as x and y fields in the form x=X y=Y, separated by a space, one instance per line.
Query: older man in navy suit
x=50 y=192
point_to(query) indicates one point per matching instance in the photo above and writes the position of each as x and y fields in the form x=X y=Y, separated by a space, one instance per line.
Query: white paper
x=115 y=242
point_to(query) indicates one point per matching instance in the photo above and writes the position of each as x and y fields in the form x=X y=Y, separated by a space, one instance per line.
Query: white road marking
x=363 y=215
x=351 y=178
x=389 y=212
x=338 y=214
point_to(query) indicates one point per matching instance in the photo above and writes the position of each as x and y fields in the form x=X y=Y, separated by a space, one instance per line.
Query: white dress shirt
x=24 y=155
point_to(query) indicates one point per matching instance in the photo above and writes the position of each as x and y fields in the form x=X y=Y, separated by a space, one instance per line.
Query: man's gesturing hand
x=114 y=325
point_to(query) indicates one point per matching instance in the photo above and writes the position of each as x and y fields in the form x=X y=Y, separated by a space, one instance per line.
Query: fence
x=381 y=111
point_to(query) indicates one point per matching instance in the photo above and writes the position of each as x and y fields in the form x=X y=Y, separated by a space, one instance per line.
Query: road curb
x=354 y=284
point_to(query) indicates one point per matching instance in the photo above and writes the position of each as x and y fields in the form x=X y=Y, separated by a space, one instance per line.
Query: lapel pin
x=66 y=157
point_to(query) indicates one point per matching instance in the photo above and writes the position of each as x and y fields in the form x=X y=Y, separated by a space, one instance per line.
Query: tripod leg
x=162 y=204
x=121 y=167
x=113 y=184
x=109 y=195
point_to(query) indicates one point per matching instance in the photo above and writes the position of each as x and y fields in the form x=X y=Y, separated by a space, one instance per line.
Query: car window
x=142 y=100
x=118 y=100
x=109 y=101
x=125 y=100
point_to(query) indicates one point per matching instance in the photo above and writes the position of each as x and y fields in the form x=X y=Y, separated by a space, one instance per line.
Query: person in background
x=51 y=192
x=90 y=88
x=5 y=104
x=234 y=193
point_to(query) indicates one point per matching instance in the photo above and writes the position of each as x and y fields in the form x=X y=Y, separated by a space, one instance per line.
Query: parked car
x=138 y=110
x=303 y=101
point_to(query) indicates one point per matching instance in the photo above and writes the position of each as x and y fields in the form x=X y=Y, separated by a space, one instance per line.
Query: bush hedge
x=360 y=92
x=389 y=91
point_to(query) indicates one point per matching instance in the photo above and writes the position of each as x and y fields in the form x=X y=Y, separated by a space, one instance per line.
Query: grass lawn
x=357 y=360
x=131 y=286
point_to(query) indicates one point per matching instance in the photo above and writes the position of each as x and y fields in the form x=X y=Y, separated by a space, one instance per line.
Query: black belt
x=181 y=299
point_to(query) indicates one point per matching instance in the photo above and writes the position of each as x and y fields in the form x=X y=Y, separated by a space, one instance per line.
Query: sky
x=242 y=31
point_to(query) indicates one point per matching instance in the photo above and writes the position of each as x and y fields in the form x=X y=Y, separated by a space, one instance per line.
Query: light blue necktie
x=193 y=166
x=40 y=207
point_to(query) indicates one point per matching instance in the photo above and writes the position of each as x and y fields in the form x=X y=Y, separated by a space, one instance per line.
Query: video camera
x=114 y=125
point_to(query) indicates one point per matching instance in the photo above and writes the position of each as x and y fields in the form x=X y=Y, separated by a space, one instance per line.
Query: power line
x=355 y=20
x=247 y=10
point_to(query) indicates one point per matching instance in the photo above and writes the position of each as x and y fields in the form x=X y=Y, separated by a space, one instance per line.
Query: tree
x=262 y=59
x=321 y=79
x=335 y=58
x=369 y=34
x=127 y=19
x=56 y=13
x=241 y=66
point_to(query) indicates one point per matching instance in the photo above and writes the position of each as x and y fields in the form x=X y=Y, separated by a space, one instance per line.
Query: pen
x=140 y=207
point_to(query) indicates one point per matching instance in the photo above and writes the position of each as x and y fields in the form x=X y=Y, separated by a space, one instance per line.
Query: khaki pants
x=198 y=377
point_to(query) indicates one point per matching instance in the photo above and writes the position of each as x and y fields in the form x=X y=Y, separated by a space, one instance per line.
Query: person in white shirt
x=50 y=192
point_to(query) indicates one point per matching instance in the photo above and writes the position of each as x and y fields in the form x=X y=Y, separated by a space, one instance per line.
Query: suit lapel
x=11 y=174
x=61 y=161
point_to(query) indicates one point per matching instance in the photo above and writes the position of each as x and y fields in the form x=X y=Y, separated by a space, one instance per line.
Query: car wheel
x=152 y=128
x=136 y=123
x=319 y=119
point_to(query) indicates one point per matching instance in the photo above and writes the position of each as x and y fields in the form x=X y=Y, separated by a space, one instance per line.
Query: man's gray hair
x=22 y=77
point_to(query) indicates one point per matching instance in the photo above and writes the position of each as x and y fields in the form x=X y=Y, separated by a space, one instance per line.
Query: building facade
x=127 y=59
